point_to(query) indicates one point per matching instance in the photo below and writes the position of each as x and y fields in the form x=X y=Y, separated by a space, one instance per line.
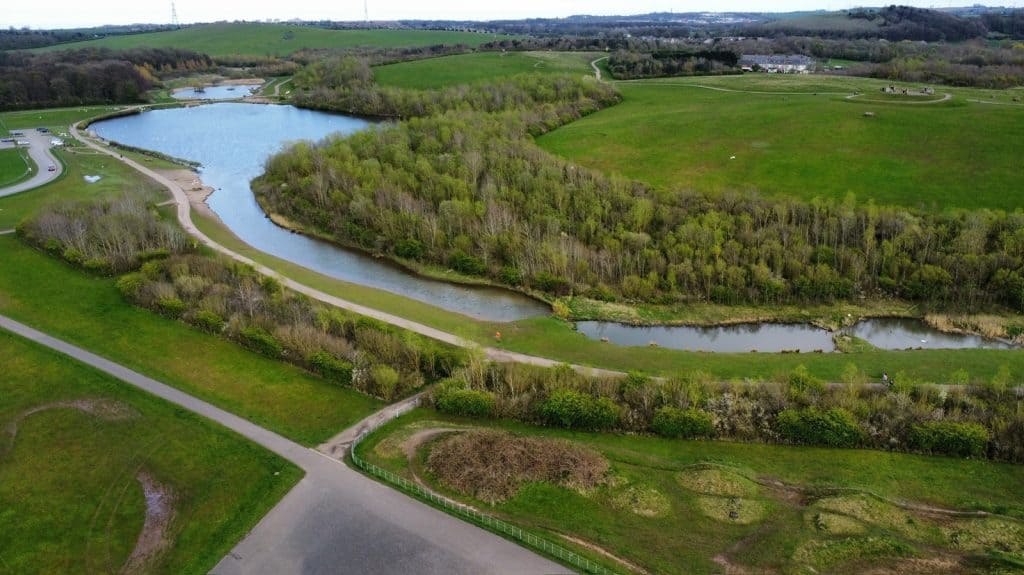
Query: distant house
x=776 y=64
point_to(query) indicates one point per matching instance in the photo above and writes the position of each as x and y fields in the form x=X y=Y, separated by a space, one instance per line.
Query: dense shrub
x=384 y=381
x=950 y=438
x=331 y=368
x=457 y=400
x=109 y=237
x=576 y=410
x=835 y=427
x=683 y=423
x=258 y=340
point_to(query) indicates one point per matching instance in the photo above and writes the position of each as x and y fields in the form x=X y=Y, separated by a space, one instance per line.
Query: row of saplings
x=924 y=419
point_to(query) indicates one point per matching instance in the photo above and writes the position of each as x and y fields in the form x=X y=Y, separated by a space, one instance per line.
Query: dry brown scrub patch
x=492 y=465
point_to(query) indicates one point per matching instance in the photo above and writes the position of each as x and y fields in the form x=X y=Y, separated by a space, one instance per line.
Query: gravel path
x=335 y=520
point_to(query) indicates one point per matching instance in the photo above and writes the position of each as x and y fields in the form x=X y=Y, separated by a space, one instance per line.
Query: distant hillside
x=275 y=39
x=891 y=23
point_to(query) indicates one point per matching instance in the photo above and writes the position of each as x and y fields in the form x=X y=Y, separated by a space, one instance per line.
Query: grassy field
x=59 y=118
x=666 y=506
x=800 y=141
x=15 y=166
x=70 y=496
x=480 y=67
x=94 y=315
x=275 y=39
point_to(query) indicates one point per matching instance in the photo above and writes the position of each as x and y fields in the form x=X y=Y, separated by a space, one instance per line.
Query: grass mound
x=825 y=554
x=709 y=480
x=732 y=509
x=640 y=500
x=492 y=465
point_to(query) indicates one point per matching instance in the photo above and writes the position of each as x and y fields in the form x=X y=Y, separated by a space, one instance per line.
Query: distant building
x=776 y=64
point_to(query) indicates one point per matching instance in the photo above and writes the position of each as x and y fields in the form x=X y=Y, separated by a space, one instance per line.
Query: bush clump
x=950 y=438
x=452 y=397
x=492 y=465
x=835 y=427
x=576 y=410
x=258 y=340
x=331 y=368
x=682 y=423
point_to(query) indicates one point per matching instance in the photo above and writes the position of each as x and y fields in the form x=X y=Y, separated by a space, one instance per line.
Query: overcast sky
x=81 y=13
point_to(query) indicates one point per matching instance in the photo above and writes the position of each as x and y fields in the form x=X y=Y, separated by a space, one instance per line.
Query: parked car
x=43 y=130
x=17 y=133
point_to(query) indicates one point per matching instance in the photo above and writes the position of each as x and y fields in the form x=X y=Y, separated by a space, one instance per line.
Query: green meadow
x=480 y=67
x=77 y=447
x=226 y=39
x=691 y=507
x=800 y=136
x=14 y=166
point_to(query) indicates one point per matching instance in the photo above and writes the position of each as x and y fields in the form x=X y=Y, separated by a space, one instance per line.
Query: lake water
x=766 y=337
x=233 y=140
x=883 y=333
x=225 y=92
x=901 y=333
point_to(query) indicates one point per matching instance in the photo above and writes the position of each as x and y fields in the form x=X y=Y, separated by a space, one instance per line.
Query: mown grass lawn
x=673 y=134
x=70 y=500
x=14 y=166
x=685 y=528
x=49 y=295
x=480 y=67
x=256 y=39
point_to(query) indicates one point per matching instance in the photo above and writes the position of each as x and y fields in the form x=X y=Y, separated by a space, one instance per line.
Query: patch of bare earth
x=195 y=190
x=155 y=537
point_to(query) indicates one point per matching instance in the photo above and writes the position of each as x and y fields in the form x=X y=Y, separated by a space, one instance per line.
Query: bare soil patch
x=196 y=191
x=154 y=537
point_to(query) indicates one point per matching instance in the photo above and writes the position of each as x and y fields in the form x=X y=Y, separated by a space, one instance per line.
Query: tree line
x=633 y=65
x=471 y=191
x=89 y=76
x=346 y=85
x=976 y=422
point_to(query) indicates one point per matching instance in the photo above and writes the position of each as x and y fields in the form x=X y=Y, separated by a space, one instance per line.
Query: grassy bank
x=15 y=166
x=760 y=507
x=480 y=67
x=250 y=38
x=94 y=315
x=69 y=483
x=797 y=140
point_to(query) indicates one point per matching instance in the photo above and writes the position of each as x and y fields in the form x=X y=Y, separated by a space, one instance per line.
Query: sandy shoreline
x=196 y=191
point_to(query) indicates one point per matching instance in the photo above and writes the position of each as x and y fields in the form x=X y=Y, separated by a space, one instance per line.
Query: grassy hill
x=275 y=39
x=800 y=136
x=480 y=67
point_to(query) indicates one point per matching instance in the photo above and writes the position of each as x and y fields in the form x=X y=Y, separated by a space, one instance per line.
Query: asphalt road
x=335 y=520
x=39 y=151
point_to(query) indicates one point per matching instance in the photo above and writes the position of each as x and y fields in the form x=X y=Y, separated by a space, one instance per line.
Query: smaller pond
x=766 y=337
x=225 y=92
x=903 y=333
x=883 y=333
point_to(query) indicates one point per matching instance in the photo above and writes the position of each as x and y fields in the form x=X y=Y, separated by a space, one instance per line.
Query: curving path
x=597 y=71
x=39 y=151
x=184 y=215
x=335 y=520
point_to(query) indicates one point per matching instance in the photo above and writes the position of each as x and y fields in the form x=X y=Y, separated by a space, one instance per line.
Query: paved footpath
x=335 y=520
